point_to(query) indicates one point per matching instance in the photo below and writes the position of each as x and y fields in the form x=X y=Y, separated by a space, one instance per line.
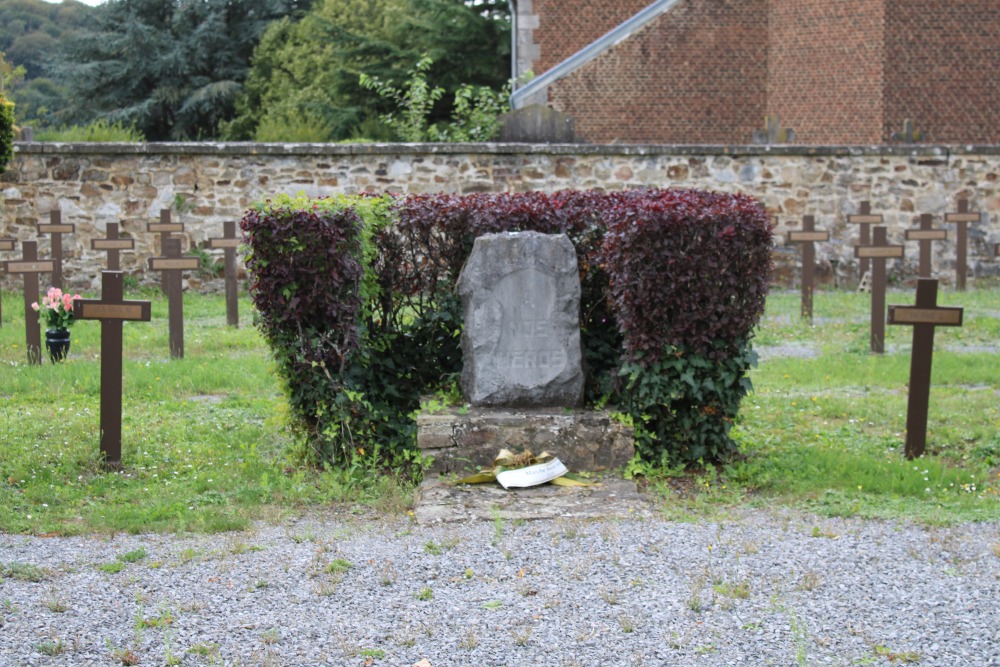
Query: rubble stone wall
x=205 y=184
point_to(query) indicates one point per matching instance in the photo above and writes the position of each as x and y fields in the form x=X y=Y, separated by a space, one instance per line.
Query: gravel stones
x=752 y=588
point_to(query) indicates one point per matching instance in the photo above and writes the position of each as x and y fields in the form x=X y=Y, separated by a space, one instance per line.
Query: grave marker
x=924 y=317
x=229 y=243
x=30 y=266
x=112 y=244
x=164 y=228
x=961 y=220
x=520 y=296
x=172 y=264
x=864 y=217
x=57 y=229
x=5 y=244
x=807 y=238
x=111 y=309
x=925 y=235
x=878 y=253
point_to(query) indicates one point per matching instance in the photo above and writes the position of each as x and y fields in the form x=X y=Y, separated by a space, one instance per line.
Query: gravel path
x=363 y=589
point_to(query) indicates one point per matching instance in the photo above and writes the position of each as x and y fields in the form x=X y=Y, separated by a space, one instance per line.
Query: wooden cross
x=925 y=235
x=111 y=309
x=164 y=228
x=30 y=266
x=7 y=245
x=961 y=220
x=112 y=244
x=924 y=317
x=864 y=217
x=57 y=229
x=878 y=253
x=172 y=264
x=808 y=237
x=229 y=243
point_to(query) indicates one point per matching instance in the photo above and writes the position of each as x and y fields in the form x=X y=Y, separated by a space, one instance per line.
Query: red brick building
x=710 y=71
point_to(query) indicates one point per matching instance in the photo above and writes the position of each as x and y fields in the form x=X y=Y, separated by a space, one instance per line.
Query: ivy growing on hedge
x=356 y=297
x=6 y=132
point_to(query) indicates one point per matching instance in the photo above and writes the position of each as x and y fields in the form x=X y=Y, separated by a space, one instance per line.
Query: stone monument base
x=440 y=501
x=461 y=440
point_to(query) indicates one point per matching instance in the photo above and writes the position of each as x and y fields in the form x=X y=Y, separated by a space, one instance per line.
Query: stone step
x=464 y=439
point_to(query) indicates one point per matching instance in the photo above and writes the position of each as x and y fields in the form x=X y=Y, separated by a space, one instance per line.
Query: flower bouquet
x=57 y=311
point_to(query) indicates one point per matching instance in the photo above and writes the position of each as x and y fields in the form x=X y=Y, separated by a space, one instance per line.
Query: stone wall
x=206 y=183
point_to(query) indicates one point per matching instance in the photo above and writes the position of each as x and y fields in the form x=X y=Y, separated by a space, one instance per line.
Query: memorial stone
x=521 y=341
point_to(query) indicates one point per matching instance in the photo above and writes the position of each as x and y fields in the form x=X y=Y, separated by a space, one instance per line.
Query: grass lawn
x=206 y=445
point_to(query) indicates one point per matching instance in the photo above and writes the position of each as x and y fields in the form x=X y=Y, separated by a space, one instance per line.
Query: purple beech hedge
x=356 y=296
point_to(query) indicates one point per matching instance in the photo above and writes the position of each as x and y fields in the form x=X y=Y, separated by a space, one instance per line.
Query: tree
x=173 y=68
x=306 y=74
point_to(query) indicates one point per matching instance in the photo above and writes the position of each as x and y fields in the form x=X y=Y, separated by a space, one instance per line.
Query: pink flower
x=67 y=301
x=34 y=306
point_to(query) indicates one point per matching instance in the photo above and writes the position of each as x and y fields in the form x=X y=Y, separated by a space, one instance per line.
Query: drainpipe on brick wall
x=514 y=77
x=522 y=96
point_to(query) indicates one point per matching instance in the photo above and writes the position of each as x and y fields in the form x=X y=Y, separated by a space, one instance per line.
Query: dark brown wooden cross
x=172 y=264
x=57 y=229
x=111 y=309
x=961 y=220
x=112 y=244
x=878 y=253
x=30 y=266
x=923 y=317
x=164 y=228
x=229 y=243
x=807 y=238
x=925 y=235
x=6 y=245
x=864 y=217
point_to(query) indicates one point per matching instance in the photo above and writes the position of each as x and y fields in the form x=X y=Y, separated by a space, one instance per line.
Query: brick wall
x=695 y=75
x=566 y=26
x=943 y=69
x=825 y=69
x=835 y=71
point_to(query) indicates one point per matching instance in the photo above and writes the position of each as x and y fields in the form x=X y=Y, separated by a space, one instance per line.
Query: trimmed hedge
x=6 y=133
x=364 y=318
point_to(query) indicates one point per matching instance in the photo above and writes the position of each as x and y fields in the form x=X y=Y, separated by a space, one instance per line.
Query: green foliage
x=687 y=403
x=173 y=70
x=475 y=117
x=98 y=131
x=414 y=102
x=6 y=133
x=312 y=68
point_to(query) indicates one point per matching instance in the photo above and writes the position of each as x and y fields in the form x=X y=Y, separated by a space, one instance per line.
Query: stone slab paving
x=442 y=501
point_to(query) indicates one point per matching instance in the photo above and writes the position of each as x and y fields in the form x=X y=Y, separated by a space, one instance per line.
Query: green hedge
x=356 y=296
x=6 y=133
